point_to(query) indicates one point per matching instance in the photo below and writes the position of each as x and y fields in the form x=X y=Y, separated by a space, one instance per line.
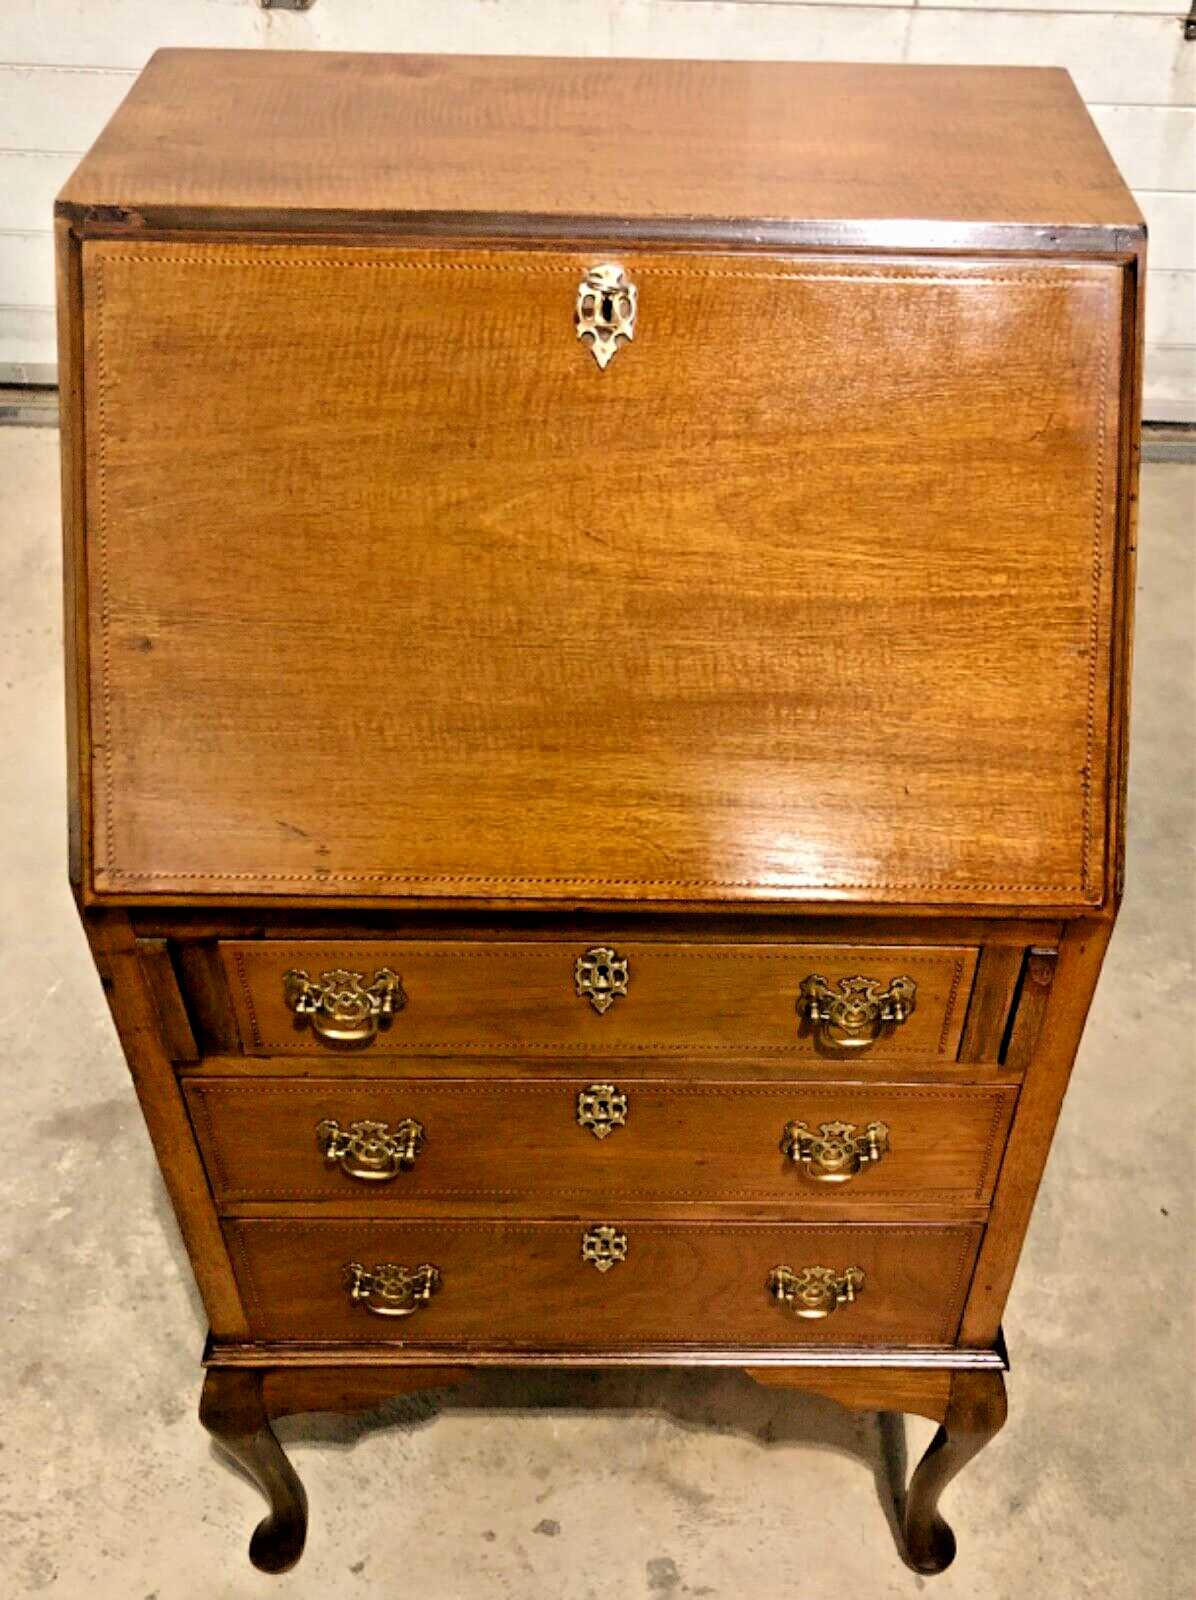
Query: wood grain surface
x=807 y=595
x=519 y=1141
x=368 y=135
x=526 y=1282
x=514 y=998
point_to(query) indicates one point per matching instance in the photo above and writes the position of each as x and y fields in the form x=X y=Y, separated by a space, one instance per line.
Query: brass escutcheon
x=859 y=1014
x=342 y=1006
x=814 y=1292
x=601 y=1108
x=603 y=1247
x=390 y=1290
x=371 y=1151
x=605 y=312
x=601 y=975
x=836 y=1152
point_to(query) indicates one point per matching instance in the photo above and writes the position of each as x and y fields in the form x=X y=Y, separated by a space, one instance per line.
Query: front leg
x=233 y=1410
x=239 y=1404
x=976 y=1411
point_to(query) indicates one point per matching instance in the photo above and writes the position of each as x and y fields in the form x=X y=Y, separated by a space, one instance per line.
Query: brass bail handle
x=390 y=1289
x=814 y=1292
x=344 y=1007
x=859 y=1014
x=372 y=1152
x=836 y=1151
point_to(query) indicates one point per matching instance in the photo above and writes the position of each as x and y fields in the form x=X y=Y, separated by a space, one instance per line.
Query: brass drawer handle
x=603 y=1247
x=605 y=312
x=343 y=1007
x=601 y=975
x=836 y=1152
x=859 y=1014
x=814 y=1292
x=601 y=1108
x=371 y=1151
x=389 y=1290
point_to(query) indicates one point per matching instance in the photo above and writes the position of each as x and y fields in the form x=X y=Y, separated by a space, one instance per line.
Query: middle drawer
x=388 y=1143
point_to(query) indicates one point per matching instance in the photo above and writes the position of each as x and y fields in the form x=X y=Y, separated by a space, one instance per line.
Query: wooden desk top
x=679 y=147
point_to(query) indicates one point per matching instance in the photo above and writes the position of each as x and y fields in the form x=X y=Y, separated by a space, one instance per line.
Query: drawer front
x=613 y=999
x=606 y=1282
x=581 y=1140
x=807 y=594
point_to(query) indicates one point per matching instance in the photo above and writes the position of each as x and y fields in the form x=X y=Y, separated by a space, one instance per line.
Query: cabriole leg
x=233 y=1410
x=976 y=1411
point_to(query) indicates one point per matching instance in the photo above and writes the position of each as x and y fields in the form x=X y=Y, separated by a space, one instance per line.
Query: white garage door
x=64 y=65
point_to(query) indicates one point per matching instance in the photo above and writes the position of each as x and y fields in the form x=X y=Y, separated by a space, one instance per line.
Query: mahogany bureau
x=598 y=604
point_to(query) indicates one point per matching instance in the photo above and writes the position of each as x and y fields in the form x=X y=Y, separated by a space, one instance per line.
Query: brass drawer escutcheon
x=603 y=1247
x=606 y=306
x=343 y=1007
x=390 y=1290
x=371 y=1151
x=836 y=1153
x=601 y=1108
x=601 y=976
x=814 y=1292
x=859 y=1014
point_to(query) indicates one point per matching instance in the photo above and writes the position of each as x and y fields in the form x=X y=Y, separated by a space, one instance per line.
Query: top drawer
x=806 y=594
x=627 y=999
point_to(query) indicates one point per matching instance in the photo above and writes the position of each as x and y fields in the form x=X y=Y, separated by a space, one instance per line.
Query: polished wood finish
x=515 y=1141
x=525 y=1283
x=427 y=139
x=232 y=1408
x=991 y=1007
x=1072 y=985
x=507 y=757
x=201 y=975
x=970 y=1407
x=498 y=998
x=238 y=1406
x=795 y=641
x=178 y=1037
x=921 y=1391
x=320 y=1355
x=1038 y=976
x=976 y=1410
x=357 y=1067
x=138 y=1024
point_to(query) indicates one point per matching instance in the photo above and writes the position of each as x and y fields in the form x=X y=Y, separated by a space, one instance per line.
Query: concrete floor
x=589 y=1487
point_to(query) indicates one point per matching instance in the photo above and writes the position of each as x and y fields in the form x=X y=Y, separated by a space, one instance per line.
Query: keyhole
x=608 y=308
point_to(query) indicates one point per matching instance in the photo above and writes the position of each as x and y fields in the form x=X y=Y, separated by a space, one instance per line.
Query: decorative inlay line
x=250 y=1008
x=949 y=1007
x=270 y=256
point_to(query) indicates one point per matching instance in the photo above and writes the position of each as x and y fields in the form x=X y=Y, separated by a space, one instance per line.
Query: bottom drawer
x=606 y=1283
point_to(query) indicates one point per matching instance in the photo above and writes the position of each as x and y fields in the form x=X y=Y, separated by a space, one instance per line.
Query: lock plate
x=606 y=307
